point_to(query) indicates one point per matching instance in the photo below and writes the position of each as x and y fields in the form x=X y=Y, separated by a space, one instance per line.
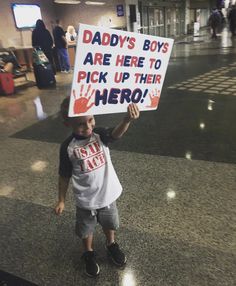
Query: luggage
x=43 y=70
x=6 y=83
x=44 y=75
x=39 y=58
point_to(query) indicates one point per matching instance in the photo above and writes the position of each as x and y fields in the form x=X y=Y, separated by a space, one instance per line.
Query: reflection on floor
x=219 y=81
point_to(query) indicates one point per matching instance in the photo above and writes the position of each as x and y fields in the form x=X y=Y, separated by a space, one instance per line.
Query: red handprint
x=154 y=97
x=81 y=104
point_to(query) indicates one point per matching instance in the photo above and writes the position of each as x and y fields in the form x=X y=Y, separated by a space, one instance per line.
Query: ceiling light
x=67 y=1
x=94 y=3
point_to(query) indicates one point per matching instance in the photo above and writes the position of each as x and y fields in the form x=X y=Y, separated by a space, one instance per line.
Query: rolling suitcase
x=44 y=75
x=6 y=83
x=43 y=70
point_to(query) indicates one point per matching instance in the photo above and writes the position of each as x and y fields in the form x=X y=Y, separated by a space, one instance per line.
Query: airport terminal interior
x=177 y=166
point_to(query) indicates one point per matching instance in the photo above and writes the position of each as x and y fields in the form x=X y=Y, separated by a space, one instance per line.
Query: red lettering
x=131 y=44
x=153 y=46
x=96 y=161
x=149 y=78
x=119 y=60
x=81 y=76
x=97 y=146
x=87 y=36
x=165 y=48
x=102 y=158
x=134 y=61
x=92 y=151
x=158 y=78
x=152 y=61
x=89 y=164
x=83 y=152
x=93 y=78
x=122 y=40
x=98 y=59
x=106 y=39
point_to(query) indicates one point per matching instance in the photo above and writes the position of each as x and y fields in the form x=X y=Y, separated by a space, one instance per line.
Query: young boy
x=85 y=158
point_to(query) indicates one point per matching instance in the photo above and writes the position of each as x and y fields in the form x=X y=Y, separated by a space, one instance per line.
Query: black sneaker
x=116 y=255
x=91 y=267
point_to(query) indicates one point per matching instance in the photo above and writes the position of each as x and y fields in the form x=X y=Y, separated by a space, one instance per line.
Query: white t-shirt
x=94 y=179
x=71 y=37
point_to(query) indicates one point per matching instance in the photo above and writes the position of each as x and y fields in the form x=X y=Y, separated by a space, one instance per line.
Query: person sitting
x=6 y=67
x=9 y=64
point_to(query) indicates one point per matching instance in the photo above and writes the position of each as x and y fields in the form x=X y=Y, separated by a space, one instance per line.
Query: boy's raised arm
x=132 y=114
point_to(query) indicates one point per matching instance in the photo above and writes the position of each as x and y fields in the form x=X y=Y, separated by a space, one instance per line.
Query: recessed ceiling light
x=67 y=1
x=94 y=3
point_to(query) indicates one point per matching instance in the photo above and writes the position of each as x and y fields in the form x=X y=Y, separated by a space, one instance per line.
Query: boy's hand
x=132 y=113
x=59 y=208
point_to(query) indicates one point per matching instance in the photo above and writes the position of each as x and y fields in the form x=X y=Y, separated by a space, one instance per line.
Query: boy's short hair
x=65 y=109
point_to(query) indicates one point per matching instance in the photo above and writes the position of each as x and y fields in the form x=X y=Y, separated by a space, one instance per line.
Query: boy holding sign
x=85 y=158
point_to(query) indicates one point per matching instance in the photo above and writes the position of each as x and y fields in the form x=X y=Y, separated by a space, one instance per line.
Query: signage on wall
x=114 y=68
x=120 y=10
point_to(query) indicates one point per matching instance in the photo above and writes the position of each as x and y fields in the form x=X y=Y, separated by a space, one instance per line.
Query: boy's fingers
x=134 y=110
x=58 y=210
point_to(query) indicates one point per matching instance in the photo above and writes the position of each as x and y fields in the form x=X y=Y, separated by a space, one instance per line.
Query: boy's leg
x=113 y=250
x=88 y=243
x=109 y=219
x=110 y=235
x=85 y=225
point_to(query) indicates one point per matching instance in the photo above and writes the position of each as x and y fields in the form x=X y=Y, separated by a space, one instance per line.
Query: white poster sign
x=114 y=68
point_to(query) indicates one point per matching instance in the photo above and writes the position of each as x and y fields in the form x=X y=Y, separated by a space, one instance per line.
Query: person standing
x=42 y=38
x=85 y=159
x=71 y=36
x=215 y=22
x=61 y=47
x=232 y=20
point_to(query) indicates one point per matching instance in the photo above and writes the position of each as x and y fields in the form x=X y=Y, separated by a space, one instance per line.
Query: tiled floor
x=177 y=166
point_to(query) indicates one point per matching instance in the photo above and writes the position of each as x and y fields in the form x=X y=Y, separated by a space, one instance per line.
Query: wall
x=9 y=35
x=93 y=15
x=69 y=15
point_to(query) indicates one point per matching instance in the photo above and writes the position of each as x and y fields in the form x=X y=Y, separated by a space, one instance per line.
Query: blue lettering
x=125 y=95
x=88 y=59
x=136 y=95
x=100 y=97
x=97 y=38
x=113 y=96
x=146 y=45
x=114 y=40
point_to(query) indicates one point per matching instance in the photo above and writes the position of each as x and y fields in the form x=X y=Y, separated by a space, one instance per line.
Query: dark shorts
x=86 y=220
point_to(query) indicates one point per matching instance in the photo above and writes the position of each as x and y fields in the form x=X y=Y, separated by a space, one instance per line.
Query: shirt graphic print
x=91 y=156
